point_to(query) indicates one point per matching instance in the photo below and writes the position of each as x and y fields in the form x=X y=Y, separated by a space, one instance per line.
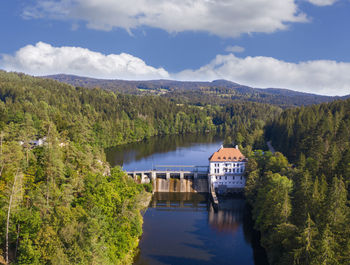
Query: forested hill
x=200 y=93
x=58 y=202
x=303 y=210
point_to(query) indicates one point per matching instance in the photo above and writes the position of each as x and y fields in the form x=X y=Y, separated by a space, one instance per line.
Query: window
x=225 y=178
x=241 y=177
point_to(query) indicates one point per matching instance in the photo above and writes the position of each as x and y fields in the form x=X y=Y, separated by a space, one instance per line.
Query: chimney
x=221 y=147
x=236 y=147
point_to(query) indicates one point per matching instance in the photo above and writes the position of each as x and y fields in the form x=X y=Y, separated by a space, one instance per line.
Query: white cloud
x=322 y=2
x=320 y=76
x=227 y=18
x=44 y=59
x=234 y=49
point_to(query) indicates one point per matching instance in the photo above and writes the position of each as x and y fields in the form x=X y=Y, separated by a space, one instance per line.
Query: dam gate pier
x=170 y=178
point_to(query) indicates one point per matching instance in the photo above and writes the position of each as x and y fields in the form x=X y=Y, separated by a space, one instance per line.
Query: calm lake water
x=183 y=228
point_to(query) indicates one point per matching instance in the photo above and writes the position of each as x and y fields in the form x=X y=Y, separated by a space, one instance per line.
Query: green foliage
x=317 y=139
x=63 y=205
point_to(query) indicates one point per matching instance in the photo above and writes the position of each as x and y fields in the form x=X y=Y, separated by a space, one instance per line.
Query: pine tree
x=306 y=240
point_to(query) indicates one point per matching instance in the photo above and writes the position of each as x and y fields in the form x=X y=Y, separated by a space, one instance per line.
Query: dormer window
x=235 y=158
x=229 y=158
x=219 y=157
x=224 y=157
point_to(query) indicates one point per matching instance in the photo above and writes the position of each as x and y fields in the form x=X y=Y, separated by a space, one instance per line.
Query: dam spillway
x=190 y=179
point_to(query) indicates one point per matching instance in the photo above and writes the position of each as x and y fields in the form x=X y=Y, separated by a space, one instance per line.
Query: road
x=272 y=150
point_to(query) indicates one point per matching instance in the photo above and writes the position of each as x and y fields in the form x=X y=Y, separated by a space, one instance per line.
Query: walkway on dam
x=170 y=171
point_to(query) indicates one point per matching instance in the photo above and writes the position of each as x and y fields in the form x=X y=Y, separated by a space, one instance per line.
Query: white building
x=226 y=169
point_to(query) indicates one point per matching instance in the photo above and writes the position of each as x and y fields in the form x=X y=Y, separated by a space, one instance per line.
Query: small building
x=226 y=169
x=34 y=143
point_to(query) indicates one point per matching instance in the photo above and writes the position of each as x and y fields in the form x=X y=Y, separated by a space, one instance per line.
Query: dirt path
x=272 y=150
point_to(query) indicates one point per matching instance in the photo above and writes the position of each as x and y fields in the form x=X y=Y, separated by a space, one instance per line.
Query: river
x=183 y=228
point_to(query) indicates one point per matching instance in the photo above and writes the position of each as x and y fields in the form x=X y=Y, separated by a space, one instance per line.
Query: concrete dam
x=174 y=178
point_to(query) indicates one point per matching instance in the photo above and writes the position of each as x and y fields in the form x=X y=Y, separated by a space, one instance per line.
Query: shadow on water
x=124 y=154
x=184 y=228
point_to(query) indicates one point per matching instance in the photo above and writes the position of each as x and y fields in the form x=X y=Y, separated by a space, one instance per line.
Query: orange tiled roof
x=227 y=154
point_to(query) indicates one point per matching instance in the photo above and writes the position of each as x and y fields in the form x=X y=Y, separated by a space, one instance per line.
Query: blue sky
x=301 y=45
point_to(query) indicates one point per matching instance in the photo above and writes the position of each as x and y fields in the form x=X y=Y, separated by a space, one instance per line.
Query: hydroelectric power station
x=224 y=174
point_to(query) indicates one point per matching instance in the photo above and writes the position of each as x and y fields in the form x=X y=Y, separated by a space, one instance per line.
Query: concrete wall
x=180 y=185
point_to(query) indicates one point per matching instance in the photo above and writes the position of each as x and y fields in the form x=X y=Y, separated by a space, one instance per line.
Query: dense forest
x=60 y=202
x=302 y=209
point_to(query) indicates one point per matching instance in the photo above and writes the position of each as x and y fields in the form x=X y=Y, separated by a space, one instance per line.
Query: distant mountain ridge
x=215 y=92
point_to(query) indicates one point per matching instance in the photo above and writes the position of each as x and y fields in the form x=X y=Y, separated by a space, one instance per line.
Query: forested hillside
x=218 y=92
x=60 y=204
x=303 y=210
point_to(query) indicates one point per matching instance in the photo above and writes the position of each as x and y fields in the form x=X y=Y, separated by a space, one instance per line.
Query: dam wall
x=180 y=185
x=173 y=181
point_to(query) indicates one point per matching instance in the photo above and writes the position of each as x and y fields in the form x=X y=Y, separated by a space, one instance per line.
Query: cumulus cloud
x=234 y=49
x=228 y=18
x=320 y=76
x=44 y=59
x=324 y=77
x=322 y=2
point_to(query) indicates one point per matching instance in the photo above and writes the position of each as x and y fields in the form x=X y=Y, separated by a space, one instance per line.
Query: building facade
x=226 y=169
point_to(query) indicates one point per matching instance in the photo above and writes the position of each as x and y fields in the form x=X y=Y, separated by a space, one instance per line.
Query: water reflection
x=156 y=147
x=228 y=217
x=180 y=201
x=184 y=228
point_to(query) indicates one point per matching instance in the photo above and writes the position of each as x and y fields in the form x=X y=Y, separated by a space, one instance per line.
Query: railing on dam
x=169 y=171
x=173 y=168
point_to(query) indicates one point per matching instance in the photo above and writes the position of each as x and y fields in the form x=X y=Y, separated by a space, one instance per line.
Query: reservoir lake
x=184 y=228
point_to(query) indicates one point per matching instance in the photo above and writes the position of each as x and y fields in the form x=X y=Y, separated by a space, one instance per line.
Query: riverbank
x=183 y=228
x=141 y=205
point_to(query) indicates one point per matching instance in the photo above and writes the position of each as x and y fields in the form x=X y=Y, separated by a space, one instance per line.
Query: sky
x=302 y=45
